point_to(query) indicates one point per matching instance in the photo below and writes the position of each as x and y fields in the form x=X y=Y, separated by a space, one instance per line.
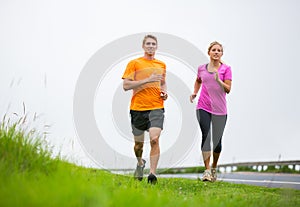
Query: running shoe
x=152 y=179
x=206 y=176
x=139 y=171
x=213 y=174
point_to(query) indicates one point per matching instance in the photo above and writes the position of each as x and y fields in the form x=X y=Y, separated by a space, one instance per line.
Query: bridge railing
x=279 y=164
x=295 y=165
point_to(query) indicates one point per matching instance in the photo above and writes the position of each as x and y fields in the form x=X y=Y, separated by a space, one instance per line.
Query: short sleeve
x=228 y=74
x=199 y=71
x=130 y=71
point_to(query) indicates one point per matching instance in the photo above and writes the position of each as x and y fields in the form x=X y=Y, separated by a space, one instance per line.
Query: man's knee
x=138 y=146
x=154 y=141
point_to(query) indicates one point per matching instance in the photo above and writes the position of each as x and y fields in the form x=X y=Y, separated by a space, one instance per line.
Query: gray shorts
x=143 y=120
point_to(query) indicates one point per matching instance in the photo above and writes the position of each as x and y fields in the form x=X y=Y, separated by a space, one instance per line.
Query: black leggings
x=218 y=123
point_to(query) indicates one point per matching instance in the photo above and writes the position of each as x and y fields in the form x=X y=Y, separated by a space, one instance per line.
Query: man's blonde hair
x=149 y=36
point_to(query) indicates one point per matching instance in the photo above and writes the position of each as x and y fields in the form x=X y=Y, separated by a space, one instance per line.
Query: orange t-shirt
x=147 y=96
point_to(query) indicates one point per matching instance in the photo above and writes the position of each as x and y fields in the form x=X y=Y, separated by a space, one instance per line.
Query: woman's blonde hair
x=213 y=44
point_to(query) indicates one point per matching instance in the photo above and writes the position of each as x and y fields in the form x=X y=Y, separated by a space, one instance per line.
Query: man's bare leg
x=154 y=133
x=138 y=148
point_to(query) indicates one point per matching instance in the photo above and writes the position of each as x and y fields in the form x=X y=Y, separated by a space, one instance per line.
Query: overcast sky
x=46 y=44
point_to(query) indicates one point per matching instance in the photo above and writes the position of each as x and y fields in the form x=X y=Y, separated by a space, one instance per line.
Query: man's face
x=150 y=46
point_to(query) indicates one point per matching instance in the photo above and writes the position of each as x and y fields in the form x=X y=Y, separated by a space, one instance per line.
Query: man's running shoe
x=139 y=171
x=152 y=179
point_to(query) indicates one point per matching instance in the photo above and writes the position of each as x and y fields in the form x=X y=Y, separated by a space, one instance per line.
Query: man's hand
x=155 y=78
x=163 y=95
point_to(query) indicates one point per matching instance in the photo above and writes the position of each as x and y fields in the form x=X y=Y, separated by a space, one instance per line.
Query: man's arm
x=163 y=88
x=129 y=84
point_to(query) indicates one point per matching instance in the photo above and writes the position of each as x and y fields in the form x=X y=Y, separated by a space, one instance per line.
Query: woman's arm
x=226 y=84
x=197 y=86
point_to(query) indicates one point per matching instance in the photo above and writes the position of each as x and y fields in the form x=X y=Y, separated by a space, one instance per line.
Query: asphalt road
x=272 y=180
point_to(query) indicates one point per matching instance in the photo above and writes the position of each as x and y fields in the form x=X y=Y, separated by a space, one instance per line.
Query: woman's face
x=215 y=52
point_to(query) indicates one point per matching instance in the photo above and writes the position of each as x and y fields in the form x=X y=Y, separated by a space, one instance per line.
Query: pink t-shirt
x=213 y=97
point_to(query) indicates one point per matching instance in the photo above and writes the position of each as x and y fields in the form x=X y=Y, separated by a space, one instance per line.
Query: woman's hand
x=192 y=97
x=217 y=77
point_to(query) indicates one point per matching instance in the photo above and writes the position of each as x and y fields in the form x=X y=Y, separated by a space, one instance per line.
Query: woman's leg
x=204 y=119
x=218 y=126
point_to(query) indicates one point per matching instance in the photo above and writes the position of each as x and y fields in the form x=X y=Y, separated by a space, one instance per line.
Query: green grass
x=30 y=176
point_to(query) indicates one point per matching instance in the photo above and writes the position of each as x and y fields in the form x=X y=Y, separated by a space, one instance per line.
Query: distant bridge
x=227 y=167
x=280 y=164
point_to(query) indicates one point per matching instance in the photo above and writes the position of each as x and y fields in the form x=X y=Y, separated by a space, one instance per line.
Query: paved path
x=272 y=180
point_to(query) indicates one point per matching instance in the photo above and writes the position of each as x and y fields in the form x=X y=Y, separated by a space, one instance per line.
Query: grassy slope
x=29 y=178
